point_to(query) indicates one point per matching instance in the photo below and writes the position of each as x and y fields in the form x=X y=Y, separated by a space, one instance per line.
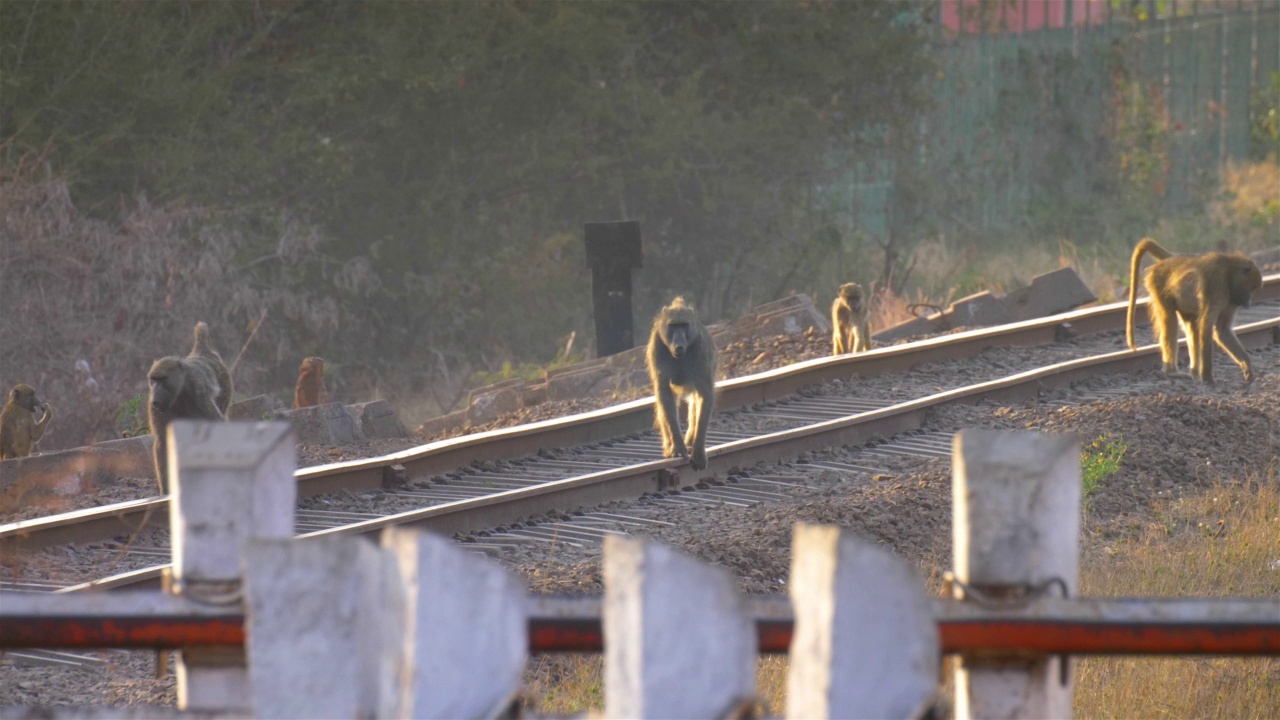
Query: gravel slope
x=1180 y=440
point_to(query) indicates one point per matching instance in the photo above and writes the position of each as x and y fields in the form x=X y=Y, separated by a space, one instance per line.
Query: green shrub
x=1099 y=461
x=131 y=417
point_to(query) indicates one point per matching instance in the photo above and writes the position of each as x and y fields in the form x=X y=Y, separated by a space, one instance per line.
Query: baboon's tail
x=202 y=345
x=1145 y=246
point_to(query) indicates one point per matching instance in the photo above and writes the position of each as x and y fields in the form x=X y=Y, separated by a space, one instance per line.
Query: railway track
x=494 y=480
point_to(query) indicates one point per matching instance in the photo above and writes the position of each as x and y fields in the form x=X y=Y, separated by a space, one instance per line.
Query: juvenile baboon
x=849 y=321
x=682 y=365
x=1200 y=292
x=19 y=430
x=197 y=386
x=310 y=389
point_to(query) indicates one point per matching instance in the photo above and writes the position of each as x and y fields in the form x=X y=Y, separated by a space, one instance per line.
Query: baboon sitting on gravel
x=19 y=429
x=310 y=389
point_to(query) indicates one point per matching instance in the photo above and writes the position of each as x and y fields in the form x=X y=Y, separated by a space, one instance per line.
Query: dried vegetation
x=89 y=303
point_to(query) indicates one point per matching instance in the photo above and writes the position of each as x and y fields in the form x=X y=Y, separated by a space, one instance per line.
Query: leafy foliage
x=1264 y=132
x=460 y=146
x=131 y=416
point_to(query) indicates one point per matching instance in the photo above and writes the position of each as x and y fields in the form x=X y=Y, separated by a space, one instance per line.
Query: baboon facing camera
x=682 y=365
x=849 y=321
x=1200 y=292
x=197 y=386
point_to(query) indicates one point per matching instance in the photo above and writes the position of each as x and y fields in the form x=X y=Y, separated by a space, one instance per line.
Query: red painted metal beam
x=127 y=632
x=1072 y=627
x=1057 y=637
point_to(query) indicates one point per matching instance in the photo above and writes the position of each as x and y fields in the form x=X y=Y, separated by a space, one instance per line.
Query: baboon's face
x=166 y=378
x=1247 y=280
x=24 y=396
x=677 y=338
x=852 y=295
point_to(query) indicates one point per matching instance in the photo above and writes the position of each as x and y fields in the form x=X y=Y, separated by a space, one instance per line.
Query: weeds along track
x=484 y=488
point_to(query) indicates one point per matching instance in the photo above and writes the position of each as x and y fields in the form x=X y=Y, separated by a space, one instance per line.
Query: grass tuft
x=1099 y=461
x=1224 y=543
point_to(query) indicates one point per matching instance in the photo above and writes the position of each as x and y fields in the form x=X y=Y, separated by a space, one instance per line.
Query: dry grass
x=1225 y=543
x=89 y=303
x=565 y=684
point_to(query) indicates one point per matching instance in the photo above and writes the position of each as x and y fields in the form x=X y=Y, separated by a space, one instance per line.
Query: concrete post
x=1016 y=505
x=324 y=627
x=865 y=643
x=465 y=632
x=230 y=482
x=678 y=642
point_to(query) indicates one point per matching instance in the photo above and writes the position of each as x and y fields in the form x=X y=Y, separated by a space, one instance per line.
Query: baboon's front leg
x=1225 y=336
x=699 y=419
x=667 y=419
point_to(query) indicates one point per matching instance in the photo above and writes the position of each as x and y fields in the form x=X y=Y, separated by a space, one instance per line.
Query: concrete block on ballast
x=1049 y=294
x=327 y=424
x=377 y=419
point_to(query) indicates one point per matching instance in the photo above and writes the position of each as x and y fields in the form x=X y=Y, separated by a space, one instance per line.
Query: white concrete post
x=325 y=620
x=865 y=643
x=1016 y=506
x=678 y=642
x=229 y=482
x=465 y=635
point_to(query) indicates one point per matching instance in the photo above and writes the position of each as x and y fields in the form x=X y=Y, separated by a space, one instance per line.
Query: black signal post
x=614 y=250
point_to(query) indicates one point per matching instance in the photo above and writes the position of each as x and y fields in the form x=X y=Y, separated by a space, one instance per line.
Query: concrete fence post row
x=416 y=626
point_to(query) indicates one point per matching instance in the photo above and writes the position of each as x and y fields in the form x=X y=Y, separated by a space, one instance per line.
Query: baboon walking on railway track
x=197 y=386
x=1200 y=292
x=682 y=365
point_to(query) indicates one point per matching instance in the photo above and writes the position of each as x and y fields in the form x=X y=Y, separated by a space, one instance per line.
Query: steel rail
x=722 y=460
x=443 y=456
x=439 y=457
x=1085 y=626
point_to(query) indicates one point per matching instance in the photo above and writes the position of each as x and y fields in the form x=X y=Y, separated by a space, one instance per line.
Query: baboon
x=19 y=431
x=1200 y=292
x=197 y=386
x=682 y=365
x=310 y=389
x=849 y=321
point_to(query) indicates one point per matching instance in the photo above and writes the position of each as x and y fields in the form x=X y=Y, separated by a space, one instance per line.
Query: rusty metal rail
x=146 y=620
x=465 y=515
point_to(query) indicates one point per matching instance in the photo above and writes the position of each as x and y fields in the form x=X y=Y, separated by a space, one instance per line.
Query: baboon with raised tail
x=1202 y=293
x=197 y=387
